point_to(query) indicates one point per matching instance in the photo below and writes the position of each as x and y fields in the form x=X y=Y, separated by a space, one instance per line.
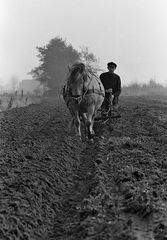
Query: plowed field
x=53 y=186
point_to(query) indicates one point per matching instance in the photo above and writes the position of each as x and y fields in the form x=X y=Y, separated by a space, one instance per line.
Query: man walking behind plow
x=112 y=84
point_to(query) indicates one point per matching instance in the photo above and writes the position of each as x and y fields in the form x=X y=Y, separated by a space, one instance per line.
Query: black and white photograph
x=83 y=119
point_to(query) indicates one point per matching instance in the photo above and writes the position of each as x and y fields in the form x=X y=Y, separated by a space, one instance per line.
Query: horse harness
x=78 y=98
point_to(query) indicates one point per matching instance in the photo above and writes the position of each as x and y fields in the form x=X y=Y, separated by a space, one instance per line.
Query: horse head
x=76 y=79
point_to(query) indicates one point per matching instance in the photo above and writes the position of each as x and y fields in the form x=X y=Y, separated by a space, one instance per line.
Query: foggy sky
x=132 y=33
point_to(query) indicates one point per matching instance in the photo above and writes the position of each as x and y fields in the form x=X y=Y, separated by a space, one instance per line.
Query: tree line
x=57 y=55
x=152 y=87
x=54 y=59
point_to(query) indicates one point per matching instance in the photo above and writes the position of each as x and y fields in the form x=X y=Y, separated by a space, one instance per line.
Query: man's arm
x=119 y=84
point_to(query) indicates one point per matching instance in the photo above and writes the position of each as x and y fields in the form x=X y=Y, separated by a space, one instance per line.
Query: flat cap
x=112 y=64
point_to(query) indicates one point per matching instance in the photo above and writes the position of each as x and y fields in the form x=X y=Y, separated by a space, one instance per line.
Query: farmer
x=112 y=85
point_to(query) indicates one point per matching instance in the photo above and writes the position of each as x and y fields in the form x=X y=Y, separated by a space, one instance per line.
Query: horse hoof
x=91 y=140
x=92 y=133
x=102 y=137
x=79 y=137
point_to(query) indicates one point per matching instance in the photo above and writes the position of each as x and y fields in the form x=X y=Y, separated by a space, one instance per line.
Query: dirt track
x=56 y=187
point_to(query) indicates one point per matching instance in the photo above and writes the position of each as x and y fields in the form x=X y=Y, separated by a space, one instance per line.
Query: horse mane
x=82 y=68
x=77 y=67
x=91 y=72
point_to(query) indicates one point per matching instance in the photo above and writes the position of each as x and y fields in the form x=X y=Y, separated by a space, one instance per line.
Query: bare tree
x=90 y=60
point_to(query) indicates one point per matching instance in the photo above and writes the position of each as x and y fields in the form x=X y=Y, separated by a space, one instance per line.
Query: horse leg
x=90 y=122
x=91 y=126
x=84 y=118
x=78 y=125
x=90 y=131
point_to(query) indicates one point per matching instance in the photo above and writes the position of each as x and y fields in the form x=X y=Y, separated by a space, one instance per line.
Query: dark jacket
x=111 y=80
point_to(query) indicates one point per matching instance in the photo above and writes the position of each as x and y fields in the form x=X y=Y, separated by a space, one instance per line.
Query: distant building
x=28 y=86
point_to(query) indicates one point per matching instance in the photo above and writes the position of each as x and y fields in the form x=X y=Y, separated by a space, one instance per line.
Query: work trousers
x=107 y=100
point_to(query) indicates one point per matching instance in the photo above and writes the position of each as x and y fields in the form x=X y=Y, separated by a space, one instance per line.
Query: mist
x=131 y=33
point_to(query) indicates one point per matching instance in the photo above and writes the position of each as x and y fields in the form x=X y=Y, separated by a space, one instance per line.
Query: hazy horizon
x=131 y=33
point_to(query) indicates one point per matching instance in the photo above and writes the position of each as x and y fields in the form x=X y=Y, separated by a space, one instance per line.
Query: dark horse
x=84 y=95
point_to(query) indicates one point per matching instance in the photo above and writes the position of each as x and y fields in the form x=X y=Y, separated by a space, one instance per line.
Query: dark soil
x=53 y=186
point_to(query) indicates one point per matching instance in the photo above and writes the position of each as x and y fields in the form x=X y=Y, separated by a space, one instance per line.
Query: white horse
x=84 y=94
